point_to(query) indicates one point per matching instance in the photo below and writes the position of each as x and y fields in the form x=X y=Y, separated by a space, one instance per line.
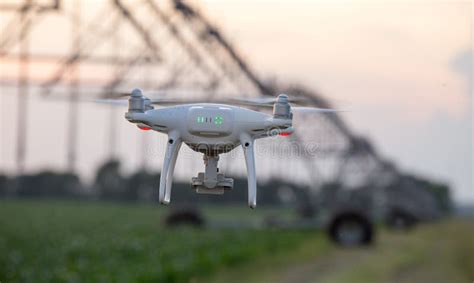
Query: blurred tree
x=48 y=184
x=3 y=186
x=109 y=183
x=141 y=186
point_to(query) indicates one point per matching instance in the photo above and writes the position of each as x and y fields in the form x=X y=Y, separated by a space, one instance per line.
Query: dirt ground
x=440 y=252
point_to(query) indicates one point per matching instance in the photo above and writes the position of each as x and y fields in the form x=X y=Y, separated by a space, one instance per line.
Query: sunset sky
x=403 y=70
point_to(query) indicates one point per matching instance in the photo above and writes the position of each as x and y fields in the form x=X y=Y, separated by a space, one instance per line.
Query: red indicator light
x=284 y=134
x=144 y=128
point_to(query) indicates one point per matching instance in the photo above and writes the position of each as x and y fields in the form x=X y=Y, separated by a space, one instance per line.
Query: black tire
x=351 y=229
x=185 y=217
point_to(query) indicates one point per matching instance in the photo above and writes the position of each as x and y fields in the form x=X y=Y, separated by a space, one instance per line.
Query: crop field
x=60 y=241
x=435 y=253
x=63 y=241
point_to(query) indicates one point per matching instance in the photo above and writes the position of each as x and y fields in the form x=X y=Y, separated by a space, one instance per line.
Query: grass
x=269 y=268
x=58 y=241
x=439 y=252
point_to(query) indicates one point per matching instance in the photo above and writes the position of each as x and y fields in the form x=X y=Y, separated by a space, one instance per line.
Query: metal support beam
x=22 y=106
x=74 y=74
x=207 y=32
x=144 y=33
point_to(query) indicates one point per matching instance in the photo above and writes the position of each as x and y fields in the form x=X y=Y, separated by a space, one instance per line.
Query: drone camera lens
x=170 y=141
x=247 y=144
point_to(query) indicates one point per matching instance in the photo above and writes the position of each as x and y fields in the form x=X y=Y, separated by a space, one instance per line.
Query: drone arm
x=166 y=178
x=248 y=147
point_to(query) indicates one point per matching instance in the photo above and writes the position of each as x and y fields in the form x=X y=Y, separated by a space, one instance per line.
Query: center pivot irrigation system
x=171 y=45
x=165 y=45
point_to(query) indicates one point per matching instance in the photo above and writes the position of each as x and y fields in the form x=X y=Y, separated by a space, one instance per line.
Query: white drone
x=212 y=129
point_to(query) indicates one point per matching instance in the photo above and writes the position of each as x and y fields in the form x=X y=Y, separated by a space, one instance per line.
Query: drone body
x=211 y=129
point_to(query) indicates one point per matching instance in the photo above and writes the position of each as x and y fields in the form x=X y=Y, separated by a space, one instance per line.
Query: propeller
x=230 y=98
x=270 y=102
x=314 y=110
x=260 y=101
x=265 y=101
x=162 y=100
x=118 y=102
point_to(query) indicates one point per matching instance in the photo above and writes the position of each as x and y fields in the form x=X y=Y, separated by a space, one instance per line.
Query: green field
x=435 y=253
x=60 y=241
x=48 y=241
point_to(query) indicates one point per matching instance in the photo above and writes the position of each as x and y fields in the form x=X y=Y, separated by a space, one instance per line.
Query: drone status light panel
x=209 y=121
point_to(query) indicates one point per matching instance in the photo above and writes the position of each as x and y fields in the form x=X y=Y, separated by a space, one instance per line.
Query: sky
x=403 y=69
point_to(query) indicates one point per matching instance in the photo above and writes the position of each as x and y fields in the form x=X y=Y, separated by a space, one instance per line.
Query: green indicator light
x=200 y=119
x=218 y=120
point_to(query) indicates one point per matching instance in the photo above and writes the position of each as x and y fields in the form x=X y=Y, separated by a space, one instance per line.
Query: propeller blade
x=256 y=100
x=122 y=94
x=116 y=94
x=259 y=101
x=246 y=102
x=118 y=102
x=169 y=93
x=171 y=101
x=314 y=110
x=265 y=101
x=177 y=101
